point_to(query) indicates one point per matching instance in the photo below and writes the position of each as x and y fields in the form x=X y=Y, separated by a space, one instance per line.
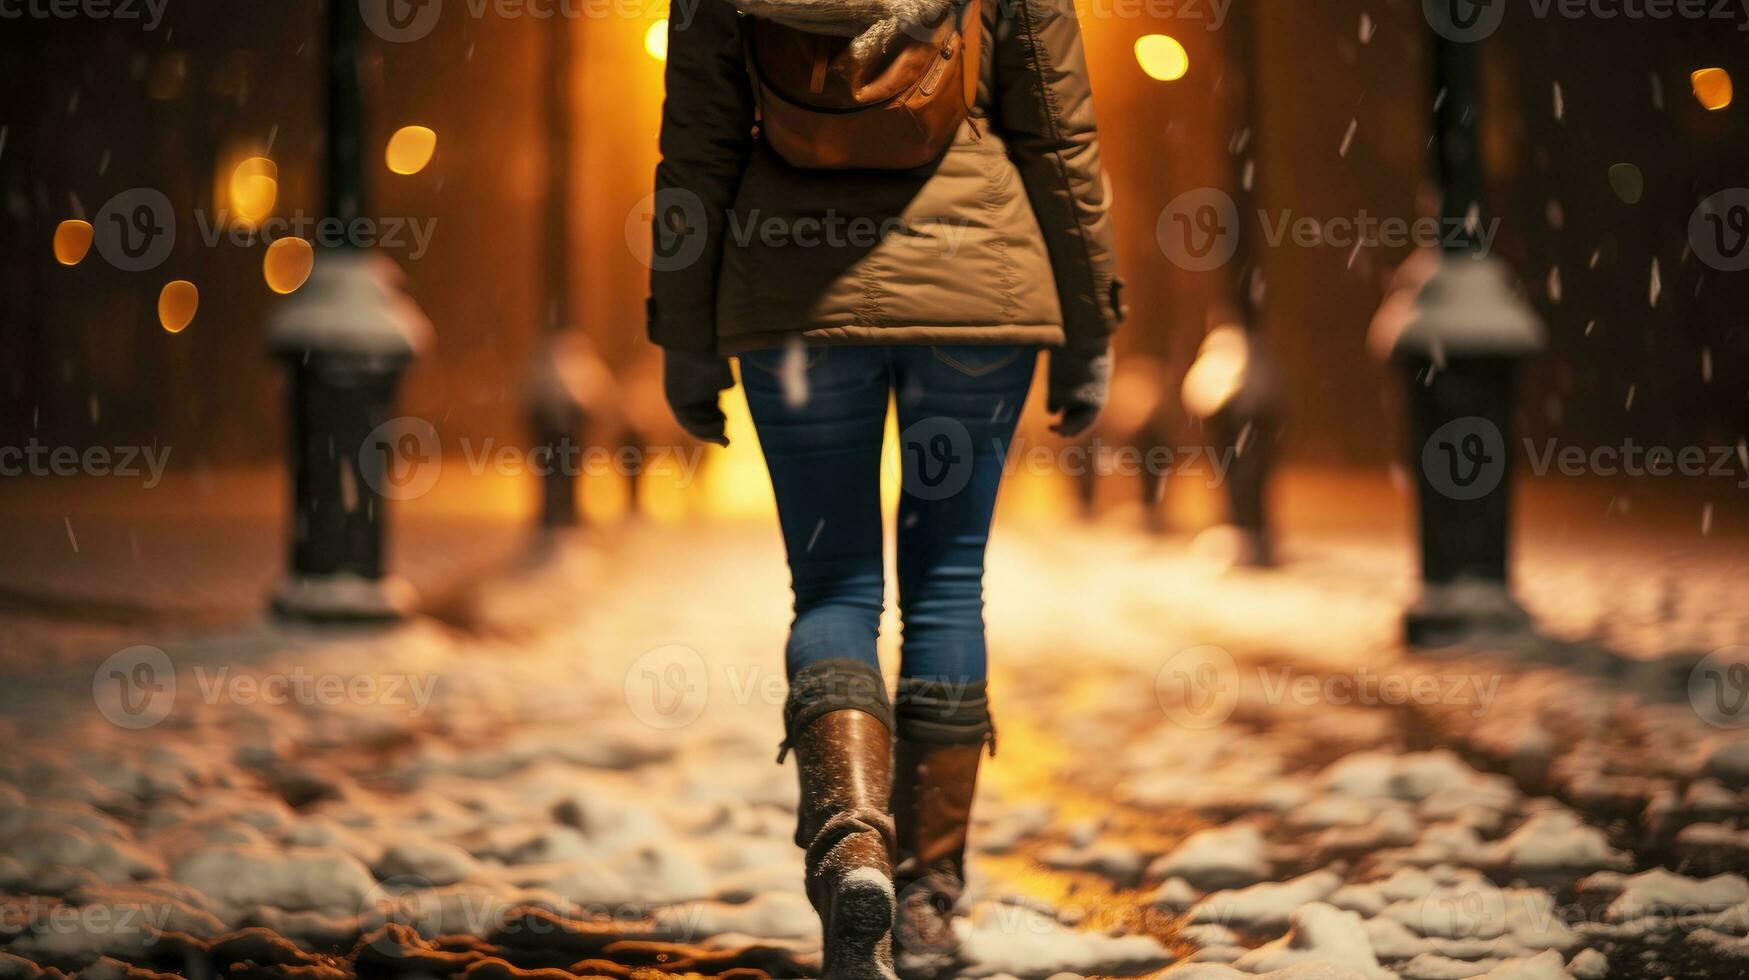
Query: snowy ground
x=1200 y=775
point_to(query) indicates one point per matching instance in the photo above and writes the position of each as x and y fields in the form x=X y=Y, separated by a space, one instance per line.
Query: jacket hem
x=863 y=335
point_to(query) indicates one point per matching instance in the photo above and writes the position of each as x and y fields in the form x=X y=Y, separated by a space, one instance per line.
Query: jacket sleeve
x=1044 y=106
x=707 y=135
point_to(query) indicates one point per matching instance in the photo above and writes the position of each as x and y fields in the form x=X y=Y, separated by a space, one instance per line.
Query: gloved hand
x=692 y=382
x=1079 y=384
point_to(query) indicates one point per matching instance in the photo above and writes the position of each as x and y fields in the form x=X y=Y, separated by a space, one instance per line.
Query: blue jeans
x=957 y=411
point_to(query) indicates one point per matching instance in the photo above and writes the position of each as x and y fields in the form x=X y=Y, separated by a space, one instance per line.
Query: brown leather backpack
x=823 y=108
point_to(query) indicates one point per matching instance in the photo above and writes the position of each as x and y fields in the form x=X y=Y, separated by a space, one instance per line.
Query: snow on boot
x=844 y=758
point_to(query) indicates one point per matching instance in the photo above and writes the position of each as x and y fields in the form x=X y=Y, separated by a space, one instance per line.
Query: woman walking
x=874 y=201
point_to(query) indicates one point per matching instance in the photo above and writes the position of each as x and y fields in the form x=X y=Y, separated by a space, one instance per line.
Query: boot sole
x=863 y=909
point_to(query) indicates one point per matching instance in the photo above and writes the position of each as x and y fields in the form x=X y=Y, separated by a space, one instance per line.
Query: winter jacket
x=1005 y=239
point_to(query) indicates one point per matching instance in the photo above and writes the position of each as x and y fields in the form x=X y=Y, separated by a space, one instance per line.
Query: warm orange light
x=1712 y=86
x=287 y=264
x=253 y=190
x=1218 y=371
x=1162 y=57
x=410 y=149
x=656 y=40
x=177 y=305
x=72 y=241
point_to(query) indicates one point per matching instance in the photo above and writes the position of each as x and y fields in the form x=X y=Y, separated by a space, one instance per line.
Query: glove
x=1079 y=384
x=692 y=382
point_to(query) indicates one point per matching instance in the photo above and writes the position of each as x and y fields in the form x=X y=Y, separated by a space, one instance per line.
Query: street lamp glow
x=177 y=304
x=287 y=264
x=410 y=149
x=72 y=241
x=1162 y=57
x=1712 y=86
x=656 y=40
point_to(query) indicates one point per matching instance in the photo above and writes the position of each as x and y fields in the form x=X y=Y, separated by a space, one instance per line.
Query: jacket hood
x=873 y=23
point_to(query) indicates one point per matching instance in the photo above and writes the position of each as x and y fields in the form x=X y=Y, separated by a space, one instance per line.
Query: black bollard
x=345 y=339
x=1458 y=333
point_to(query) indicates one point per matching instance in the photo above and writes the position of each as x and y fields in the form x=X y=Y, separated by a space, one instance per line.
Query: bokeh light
x=410 y=149
x=72 y=241
x=656 y=40
x=254 y=189
x=1162 y=57
x=1712 y=86
x=287 y=264
x=177 y=305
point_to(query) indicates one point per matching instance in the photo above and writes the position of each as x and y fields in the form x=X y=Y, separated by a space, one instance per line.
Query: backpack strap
x=971 y=42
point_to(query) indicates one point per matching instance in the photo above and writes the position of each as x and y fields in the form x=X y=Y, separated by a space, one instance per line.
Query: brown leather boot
x=844 y=758
x=932 y=806
x=935 y=778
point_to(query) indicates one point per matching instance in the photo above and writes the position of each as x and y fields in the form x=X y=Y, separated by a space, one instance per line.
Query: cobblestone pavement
x=1200 y=774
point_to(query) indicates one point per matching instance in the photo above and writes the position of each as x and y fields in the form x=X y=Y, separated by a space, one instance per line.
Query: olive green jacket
x=1005 y=239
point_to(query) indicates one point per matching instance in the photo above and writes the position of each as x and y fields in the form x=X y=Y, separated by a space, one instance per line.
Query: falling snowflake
x=1555 y=284
x=1367 y=28
x=1657 y=283
x=1560 y=103
x=1348 y=138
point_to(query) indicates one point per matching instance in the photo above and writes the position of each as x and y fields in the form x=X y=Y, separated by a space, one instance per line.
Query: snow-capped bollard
x=345 y=338
x=568 y=386
x=1458 y=333
x=1232 y=386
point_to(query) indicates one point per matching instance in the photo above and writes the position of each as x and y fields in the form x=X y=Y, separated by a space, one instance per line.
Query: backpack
x=821 y=107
